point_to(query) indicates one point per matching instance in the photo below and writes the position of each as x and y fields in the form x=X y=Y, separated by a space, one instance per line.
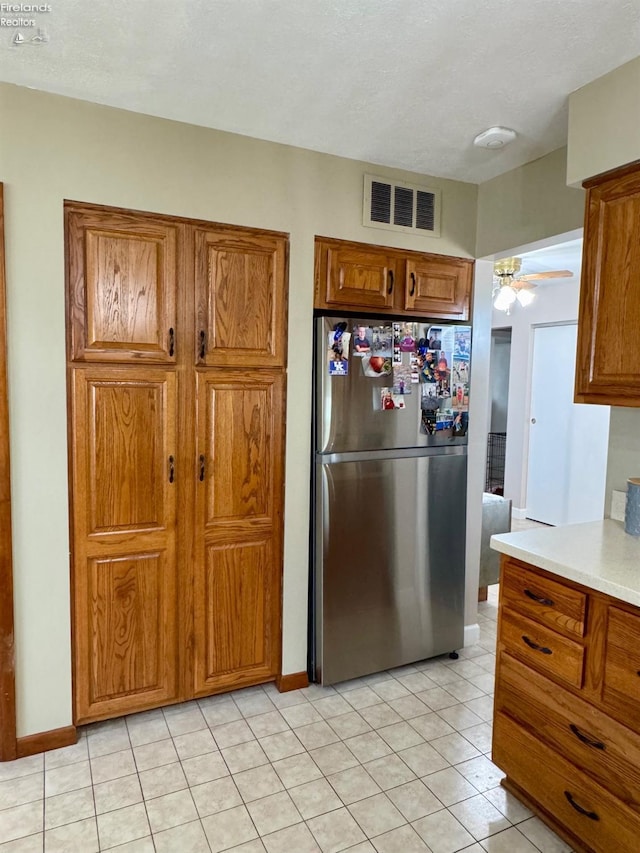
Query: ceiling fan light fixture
x=505 y=298
x=525 y=297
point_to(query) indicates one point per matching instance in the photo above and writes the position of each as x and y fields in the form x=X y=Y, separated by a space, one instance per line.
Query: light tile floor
x=396 y=762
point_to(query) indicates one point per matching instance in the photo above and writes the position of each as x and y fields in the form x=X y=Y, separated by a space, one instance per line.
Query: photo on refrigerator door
x=390 y=400
x=375 y=366
x=382 y=341
x=402 y=378
x=337 y=350
x=361 y=343
x=462 y=344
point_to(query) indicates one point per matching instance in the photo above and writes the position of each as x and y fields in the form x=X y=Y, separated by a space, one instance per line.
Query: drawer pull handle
x=596 y=744
x=546 y=601
x=579 y=809
x=543 y=649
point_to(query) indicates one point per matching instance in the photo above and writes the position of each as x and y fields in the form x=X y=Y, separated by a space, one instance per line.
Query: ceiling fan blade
x=551 y=274
x=520 y=284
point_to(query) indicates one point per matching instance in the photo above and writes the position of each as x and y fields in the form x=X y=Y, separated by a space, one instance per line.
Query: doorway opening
x=540 y=475
x=500 y=361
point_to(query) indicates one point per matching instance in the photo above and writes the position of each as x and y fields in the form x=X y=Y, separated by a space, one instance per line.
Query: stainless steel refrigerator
x=389 y=485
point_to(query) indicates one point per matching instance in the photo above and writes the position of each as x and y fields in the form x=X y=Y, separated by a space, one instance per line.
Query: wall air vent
x=397 y=206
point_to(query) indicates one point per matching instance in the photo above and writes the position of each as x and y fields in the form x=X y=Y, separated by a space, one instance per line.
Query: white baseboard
x=471 y=634
x=518 y=512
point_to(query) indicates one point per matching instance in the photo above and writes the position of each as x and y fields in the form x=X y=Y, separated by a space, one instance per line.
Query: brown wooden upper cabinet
x=438 y=286
x=122 y=278
x=240 y=292
x=608 y=355
x=360 y=277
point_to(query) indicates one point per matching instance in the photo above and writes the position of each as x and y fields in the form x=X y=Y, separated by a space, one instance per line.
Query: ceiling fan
x=509 y=286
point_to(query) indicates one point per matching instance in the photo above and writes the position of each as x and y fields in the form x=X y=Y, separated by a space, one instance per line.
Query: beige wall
x=604 y=124
x=604 y=133
x=624 y=450
x=52 y=148
x=526 y=205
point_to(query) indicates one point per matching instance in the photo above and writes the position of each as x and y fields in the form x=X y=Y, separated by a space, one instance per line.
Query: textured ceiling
x=562 y=256
x=404 y=83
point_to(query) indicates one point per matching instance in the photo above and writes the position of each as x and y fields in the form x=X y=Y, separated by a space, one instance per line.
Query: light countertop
x=598 y=554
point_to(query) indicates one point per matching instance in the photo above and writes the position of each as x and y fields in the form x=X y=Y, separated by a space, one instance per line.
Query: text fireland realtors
x=21 y=7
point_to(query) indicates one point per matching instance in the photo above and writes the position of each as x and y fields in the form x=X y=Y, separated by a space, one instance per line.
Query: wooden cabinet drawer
x=602 y=747
x=551 y=603
x=569 y=797
x=621 y=689
x=541 y=648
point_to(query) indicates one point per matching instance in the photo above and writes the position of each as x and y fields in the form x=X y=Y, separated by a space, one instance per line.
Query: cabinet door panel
x=128 y=596
x=239 y=439
x=621 y=691
x=359 y=278
x=238 y=635
x=608 y=362
x=238 y=520
x=240 y=295
x=126 y=449
x=438 y=287
x=124 y=551
x=122 y=286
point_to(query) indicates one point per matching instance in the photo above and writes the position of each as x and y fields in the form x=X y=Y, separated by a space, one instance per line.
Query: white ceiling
x=562 y=256
x=404 y=83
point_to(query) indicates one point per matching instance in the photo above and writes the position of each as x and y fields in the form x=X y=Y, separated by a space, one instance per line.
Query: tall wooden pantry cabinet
x=176 y=341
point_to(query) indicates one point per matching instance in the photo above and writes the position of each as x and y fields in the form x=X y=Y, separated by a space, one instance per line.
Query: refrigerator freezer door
x=390 y=554
x=349 y=415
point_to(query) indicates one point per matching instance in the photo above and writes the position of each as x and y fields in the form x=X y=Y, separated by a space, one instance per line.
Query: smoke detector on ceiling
x=495 y=137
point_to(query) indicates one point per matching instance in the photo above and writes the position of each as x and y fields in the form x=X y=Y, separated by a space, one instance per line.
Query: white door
x=568 y=442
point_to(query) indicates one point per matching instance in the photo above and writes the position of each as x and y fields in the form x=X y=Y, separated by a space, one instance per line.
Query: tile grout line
x=330 y=722
x=144 y=802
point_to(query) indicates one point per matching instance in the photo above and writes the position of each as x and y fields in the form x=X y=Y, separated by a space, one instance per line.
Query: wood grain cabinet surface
x=608 y=355
x=566 y=722
x=362 y=277
x=176 y=386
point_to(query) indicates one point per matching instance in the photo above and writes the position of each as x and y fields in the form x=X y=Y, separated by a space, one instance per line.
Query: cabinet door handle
x=579 y=809
x=172 y=340
x=201 y=467
x=390 y=276
x=171 y=469
x=546 y=601
x=543 y=649
x=596 y=744
x=413 y=284
x=203 y=340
